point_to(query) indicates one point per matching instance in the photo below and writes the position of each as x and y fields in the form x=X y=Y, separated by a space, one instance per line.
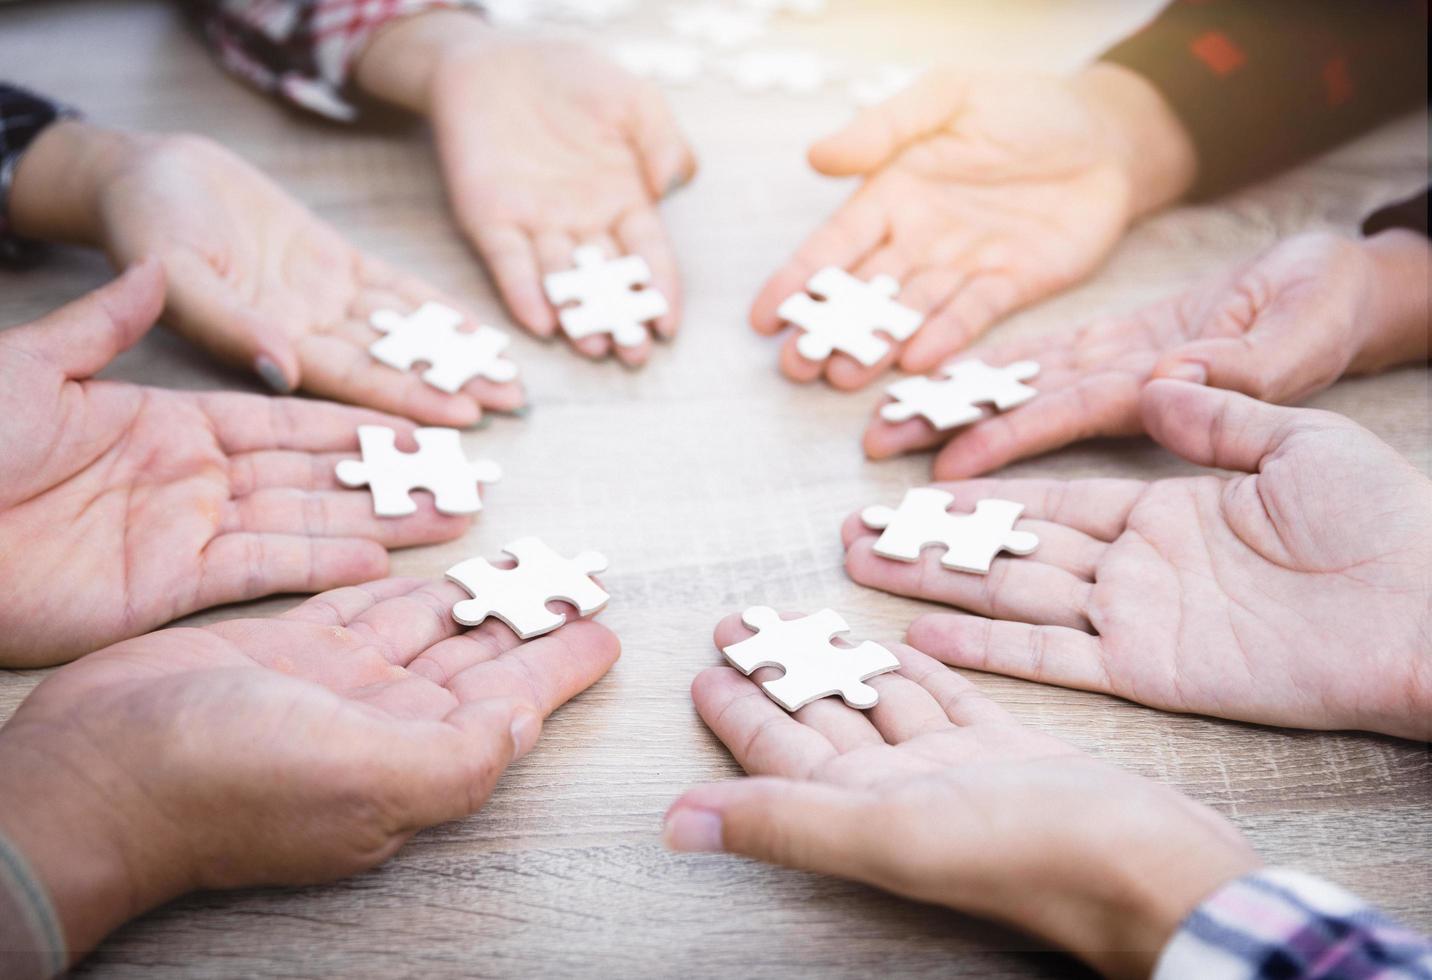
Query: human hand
x=1295 y=594
x=123 y=507
x=983 y=193
x=254 y=277
x=280 y=751
x=1280 y=327
x=544 y=146
x=938 y=795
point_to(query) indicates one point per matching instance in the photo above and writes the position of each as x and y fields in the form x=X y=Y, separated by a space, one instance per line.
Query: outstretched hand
x=939 y=795
x=983 y=193
x=1246 y=597
x=123 y=507
x=1280 y=327
x=287 y=751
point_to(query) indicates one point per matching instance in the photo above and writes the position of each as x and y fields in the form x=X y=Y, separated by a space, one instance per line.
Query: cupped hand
x=1295 y=593
x=261 y=281
x=938 y=795
x=123 y=507
x=289 y=750
x=983 y=193
x=546 y=146
x=1279 y=327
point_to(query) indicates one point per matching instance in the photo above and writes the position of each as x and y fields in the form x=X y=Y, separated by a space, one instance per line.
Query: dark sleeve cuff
x=23 y=116
x=1410 y=214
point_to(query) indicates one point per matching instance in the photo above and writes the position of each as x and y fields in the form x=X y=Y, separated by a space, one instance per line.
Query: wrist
x=1398 y=312
x=59 y=181
x=75 y=826
x=401 y=62
x=1142 y=132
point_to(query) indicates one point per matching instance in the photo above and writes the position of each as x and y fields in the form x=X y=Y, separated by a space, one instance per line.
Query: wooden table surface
x=713 y=484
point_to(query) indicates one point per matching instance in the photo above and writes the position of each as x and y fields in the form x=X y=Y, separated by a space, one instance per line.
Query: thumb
x=810 y=826
x=666 y=158
x=877 y=134
x=1222 y=362
x=204 y=308
x=1213 y=427
x=81 y=337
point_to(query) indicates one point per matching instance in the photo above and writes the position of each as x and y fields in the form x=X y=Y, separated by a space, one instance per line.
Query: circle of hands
x=1243 y=596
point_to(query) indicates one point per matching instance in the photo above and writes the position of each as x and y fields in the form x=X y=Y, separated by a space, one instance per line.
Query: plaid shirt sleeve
x=303 y=50
x=1284 y=925
x=23 y=115
x=1263 y=84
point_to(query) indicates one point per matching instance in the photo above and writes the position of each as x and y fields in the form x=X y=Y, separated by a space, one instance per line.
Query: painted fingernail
x=525 y=728
x=695 y=831
x=1190 y=371
x=268 y=370
x=520 y=411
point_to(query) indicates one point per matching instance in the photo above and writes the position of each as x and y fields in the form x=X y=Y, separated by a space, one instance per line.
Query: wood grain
x=711 y=484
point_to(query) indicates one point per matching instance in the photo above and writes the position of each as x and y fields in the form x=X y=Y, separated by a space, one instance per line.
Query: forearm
x=55 y=192
x=1399 y=315
x=399 y=64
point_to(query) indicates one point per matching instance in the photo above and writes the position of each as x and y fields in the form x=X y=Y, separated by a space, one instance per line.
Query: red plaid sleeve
x=303 y=50
x=1263 y=84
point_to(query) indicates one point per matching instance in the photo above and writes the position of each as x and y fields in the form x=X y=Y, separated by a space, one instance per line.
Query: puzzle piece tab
x=519 y=596
x=431 y=334
x=814 y=667
x=848 y=315
x=954 y=399
x=438 y=466
x=972 y=540
x=605 y=298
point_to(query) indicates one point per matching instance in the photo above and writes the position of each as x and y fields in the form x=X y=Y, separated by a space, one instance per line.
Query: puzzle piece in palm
x=779 y=69
x=670 y=62
x=972 y=540
x=438 y=466
x=604 y=297
x=954 y=399
x=718 y=24
x=848 y=315
x=519 y=596
x=431 y=334
x=814 y=667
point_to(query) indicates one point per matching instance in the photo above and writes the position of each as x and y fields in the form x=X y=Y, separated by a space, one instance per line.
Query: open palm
x=253 y=273
x=983 y=194
x=1297 y=594
x=573 y=152
x=123 y=507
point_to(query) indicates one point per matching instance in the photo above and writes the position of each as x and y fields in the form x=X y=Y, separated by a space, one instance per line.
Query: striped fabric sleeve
x=303 y=50
x=31 y=940
x=1284 y=925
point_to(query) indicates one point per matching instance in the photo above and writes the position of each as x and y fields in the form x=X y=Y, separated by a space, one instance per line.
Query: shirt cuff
x=1286 y=924
x=31 y=940
x=24 y=115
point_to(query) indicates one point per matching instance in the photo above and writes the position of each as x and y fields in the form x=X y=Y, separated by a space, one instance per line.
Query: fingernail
x=1190 y=371
x=482 y=422
x=267 y=369
x=520 y=412
x=694 y=831
x=524 y=734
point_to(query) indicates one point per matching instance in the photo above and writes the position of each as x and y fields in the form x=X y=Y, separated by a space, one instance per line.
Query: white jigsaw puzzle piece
x=779 y=69
x=600 y=296
x=972 y=540
x=718 y=24
x=848 y=315
x=669 y=62
x=953 y=400
x=814 y=667
x=432 y=334
x=438 y=466
x=518 y=596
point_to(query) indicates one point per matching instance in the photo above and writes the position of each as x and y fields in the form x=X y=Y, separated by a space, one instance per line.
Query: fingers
x=83 y=336
x=205 y=308
x=879 y=133
x=1232 y=363
x=760 y=735
x=1014 y=588
x=543 y=674
x=253 y=423
x=1045 y=653
x=642 y=232
x=666 y=158
x=1219 y=428
x=1099 y=508
x=984 y=299
x=512 y=262
x=279 y=468
x=338 y=368
x=338 y=514
x=240 y=566
x=554 y=254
